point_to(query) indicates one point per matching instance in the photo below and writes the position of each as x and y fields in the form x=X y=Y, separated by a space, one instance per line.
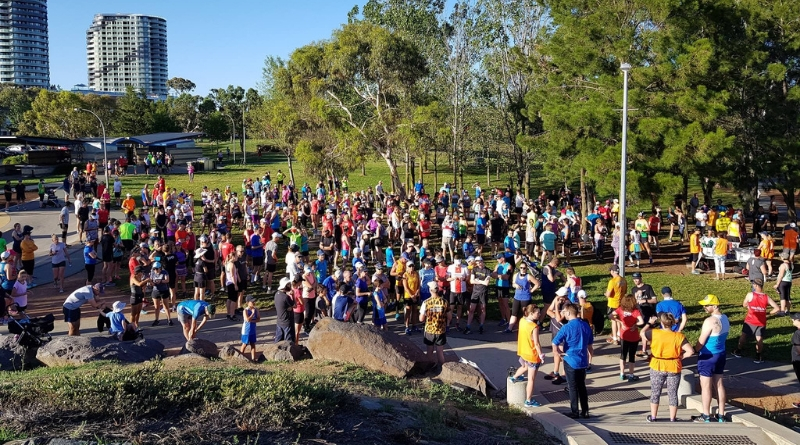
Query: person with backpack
x=524 y=285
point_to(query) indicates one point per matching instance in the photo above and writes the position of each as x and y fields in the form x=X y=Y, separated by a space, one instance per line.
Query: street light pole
x=244 y=141
x=233 y=133
x=625 y=67
x=103 y=129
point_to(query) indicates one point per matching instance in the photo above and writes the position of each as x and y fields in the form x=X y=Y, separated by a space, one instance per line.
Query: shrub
x=15 y=160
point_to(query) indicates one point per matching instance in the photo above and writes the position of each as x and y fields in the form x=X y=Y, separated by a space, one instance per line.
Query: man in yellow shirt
x=695 y=249
x=128 y=205
x=617 y=288
x=722 y=223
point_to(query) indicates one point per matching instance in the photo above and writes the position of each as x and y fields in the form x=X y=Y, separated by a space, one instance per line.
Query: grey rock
x=462 y=375
x=62 y=351
x=201 y=346
x=230 y=353
x=14 y=357
x=283 y=351
x=186 y=360
x=364 y=345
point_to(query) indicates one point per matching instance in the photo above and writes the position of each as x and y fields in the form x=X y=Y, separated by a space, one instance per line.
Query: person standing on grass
x=755 y=322
x=669 y=349
x=711 y=359
x=480 y=277
x=720 y=254
x=629 y=319
x=674 y=307
x=251 y=317
x=783 y=284
x=435 y=313
x=284 y=305
x=530 y=353
x=574 y=343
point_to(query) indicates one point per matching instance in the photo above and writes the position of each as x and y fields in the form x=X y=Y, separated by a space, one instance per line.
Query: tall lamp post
x=625 y=67
x=103 y=128
x=233 y=133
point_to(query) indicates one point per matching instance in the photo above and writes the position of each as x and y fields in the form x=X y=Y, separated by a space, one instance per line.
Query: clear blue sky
x=213 y=43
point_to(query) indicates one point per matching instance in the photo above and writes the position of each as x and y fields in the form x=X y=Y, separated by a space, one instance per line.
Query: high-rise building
x=24 y=56
x=127 y=50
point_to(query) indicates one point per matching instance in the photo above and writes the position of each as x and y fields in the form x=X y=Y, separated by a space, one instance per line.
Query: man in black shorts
x=479 y=278
x=435 y=313
x=7 y=191
x=20 y=188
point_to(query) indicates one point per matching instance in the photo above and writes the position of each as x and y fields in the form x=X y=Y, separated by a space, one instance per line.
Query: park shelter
x=181 y=146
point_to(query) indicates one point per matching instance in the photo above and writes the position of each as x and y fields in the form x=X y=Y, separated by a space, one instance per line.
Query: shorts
x=548 y=297
x=160 y=295
x=284 y=333
x=790 y=251
x=173 y=279
x=497 y=237
x=60 y=264
x=478 y=297
x=409 y=302
x=128 y=243
x=456 y=298
x=480 y=238
x=528 y=364
x=654 y=233
x=610 y=312
x=752 y=330
x=117 y=194
x=71 y=315
x=272 y=267
x=518 y=307
x=501 y=292
x=784 y=290
x=710 y=364
x=299 y=317
x=183 y=318
x=233 y=293
x=628 y=352
x=434 y=339
x=200 y=284
x=136 y=299
x=258 y=261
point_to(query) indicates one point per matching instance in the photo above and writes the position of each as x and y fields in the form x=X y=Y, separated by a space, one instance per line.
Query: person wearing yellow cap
x=711 y=359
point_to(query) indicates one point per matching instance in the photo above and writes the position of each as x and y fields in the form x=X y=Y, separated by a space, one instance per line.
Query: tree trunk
x=584 y=201
x=408 y=161
x=455 y=166
x=488 y=170
x=788 y=197
x=413 y=169
x=422 y=168
x=424 y=161
x=291 y=170
x=685 y=200
x=527 y=184
x=363 y=169
x=708 y=190
x=397 y=185
x=435 y=171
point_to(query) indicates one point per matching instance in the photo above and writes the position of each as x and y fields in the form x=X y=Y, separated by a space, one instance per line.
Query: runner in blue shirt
x=674 y=307
x=190 y=311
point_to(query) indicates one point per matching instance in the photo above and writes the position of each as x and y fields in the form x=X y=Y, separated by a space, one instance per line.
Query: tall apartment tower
x=127 y=49
x=24 y=54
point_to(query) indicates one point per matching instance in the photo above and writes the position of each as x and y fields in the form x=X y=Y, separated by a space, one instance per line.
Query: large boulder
x=231 y=354
x=283 y=351
x=201 y=346
x=462 y=375
x=62 y=351
x=366 y=346
x=14 y=357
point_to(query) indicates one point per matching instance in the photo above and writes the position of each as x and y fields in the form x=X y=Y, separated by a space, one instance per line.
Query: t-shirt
x=87 y=259
x=754 y=268
x=193 y=308
x=628 y=329
x=126 y=231
x=673 y=307
x=283 y=307
x=503 y=269
x=479 y=273
x=340 y=304
x=435 y=310
x=80 y=296
x=116 y=319
x=666 y=348
x=459 y=272
x=548 y=240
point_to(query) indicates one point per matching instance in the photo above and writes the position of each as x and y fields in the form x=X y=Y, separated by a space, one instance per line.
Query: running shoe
x=702 y=418
x=721 y=419
x=502 y=323
x=467 y=331
x=633 y=378
x=737 y=353
x=622 y=377
x=550 y=376
x=156 y=323
x=589 y=369
x=558 y=380
x=532 y=403
x=170 y=323
x=758 y=360
x=408 y=331
x=650 y=418
x=480 y=329
x=507 y=331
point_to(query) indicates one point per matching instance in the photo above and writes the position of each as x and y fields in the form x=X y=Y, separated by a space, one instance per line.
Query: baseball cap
x=614 y=268
x=284 y=281
x=479 y=259
x=499 y=256
x=250 y=298
x=157 y=265
x=432 y=285
x=470 y=259
x=795 y=315
x=320 y=253
x=118 y=306
x=5 y=255
x=758 y=282
x=666 y=290
x=636 y=275
x=709 y=300
x=562 y=292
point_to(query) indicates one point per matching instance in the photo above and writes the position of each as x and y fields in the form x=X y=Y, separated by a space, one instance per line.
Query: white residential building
x=24 y=49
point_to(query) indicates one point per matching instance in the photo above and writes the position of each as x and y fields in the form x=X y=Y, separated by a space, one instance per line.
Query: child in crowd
x=530 y=352
x=251 y=317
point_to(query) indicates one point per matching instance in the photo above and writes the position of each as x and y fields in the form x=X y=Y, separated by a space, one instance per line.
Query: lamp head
x=625 y=67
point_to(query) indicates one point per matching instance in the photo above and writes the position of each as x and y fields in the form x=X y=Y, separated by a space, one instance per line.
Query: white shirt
x=117 y=186
x=460 y=272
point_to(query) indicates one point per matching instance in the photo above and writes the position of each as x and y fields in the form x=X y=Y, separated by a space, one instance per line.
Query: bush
x=221 y=400
x=16 y=160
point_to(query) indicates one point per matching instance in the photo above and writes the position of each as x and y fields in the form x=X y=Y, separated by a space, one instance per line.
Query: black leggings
x=89 y=272
x=360 y=313
x=27 y=266
x=629 y=349
x=310 y=310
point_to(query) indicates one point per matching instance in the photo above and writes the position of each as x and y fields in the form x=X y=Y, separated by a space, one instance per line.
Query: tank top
x=787 y=276
x=716 y=341
x=524 y=291
x=573 y=292
x=525 y=348
x=757 y=310
x=666 y=349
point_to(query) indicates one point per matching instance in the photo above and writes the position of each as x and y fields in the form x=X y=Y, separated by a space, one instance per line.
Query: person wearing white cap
x=121 y=328
x=72 y=306
x=284 y=329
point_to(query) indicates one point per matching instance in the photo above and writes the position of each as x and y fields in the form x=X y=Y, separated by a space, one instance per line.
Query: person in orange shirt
x=720 y=254
x=767 y=248
x=712 y=218
x=128 y=205
x=790 y=240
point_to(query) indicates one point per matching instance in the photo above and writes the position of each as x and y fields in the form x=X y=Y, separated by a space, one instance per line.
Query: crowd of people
x=422 y=257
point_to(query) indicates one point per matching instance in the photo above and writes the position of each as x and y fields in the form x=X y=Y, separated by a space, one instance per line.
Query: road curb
x=566 y=430
x=779 y=434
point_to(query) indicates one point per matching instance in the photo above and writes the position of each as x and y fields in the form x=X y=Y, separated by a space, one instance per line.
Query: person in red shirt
x=790 y=240
x=755 y=322
x=654 y=226
x=628 y=319
x=315 y=213
x=102 y=218
x=180 y=234
x=424 y=226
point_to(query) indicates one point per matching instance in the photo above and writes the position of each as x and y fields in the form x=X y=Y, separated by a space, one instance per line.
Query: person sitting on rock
x=189 y=312
x=121 y=328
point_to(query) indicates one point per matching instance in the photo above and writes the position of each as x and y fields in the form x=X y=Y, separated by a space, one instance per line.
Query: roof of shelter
x=156 y=138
